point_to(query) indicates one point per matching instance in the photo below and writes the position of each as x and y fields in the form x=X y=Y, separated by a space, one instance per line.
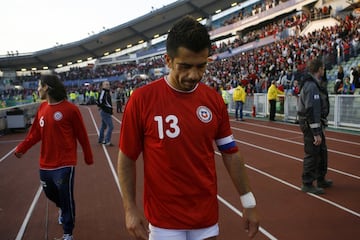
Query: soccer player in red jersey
x=58 y=124
x=174 y=122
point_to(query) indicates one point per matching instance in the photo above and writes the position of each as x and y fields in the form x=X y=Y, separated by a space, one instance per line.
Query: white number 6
x=41 y=121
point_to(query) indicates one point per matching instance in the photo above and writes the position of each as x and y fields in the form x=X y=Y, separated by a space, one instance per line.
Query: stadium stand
x=248 y=46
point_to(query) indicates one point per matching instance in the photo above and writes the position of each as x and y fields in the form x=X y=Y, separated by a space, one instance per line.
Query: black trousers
x=118 y=105
x=272 y=109
x=58 y=186
x=316 y=157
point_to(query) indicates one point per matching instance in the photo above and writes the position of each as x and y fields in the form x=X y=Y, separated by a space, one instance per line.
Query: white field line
x=293 y=142
x=300 y=133
x=299 y=189
x=108 y=158
x=235 y=210
x=295 y=158
x=37 y=195
x=28 y=214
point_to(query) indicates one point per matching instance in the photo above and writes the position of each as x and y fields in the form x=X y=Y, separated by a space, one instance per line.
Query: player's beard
x=188 y=85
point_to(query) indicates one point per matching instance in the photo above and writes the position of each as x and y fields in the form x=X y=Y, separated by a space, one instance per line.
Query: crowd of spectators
x=250 y=11
x=283 y=61
x=299 y=21
x=286 y=59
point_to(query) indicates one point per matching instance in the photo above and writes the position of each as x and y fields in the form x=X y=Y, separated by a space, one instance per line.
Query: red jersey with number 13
x=176 y=131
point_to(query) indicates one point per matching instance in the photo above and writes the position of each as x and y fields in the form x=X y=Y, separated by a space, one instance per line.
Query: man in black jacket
x=313 y=110
x=105 y=106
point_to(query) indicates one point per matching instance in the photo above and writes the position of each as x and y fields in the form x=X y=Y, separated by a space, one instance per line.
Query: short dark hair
x=314 y=65
x=188 y=33
x=56 y=89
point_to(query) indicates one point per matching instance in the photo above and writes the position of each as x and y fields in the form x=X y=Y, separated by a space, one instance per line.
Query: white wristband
x=248 y=200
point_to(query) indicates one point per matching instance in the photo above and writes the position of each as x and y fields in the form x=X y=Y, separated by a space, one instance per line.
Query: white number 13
x=173 y=130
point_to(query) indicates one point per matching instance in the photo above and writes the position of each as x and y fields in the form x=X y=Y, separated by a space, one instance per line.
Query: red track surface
x=273 y=153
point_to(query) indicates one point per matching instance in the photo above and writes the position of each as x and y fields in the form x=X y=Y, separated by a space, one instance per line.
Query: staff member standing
x=313 y=108
x=239 y=97
x=106 y=111
x=272 y=96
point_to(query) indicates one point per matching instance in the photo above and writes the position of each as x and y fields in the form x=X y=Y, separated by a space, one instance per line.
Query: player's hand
x=89 y=162
x=317 y=140
x=136 y=224
x=251 y=221
x=18 y=154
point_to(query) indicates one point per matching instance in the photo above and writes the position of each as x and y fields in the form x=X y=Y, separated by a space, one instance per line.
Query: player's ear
x=168 y=61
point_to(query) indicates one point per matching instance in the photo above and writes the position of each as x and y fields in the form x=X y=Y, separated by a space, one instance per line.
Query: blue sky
x=31 y=25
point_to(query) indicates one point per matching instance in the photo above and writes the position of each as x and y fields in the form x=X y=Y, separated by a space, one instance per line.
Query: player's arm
x=136 y=223
x=82 y=136
x=235 y=166
x=33 y=137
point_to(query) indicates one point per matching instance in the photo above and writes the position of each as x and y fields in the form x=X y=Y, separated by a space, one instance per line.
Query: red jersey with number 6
x=58 y=126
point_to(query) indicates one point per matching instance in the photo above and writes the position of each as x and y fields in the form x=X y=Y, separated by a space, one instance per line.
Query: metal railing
x=28 y=112
x=344 y=109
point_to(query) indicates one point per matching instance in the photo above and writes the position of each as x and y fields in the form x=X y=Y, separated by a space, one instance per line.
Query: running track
x=273 y=153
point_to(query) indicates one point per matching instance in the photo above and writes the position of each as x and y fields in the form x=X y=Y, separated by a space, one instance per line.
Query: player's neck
x=53 y=101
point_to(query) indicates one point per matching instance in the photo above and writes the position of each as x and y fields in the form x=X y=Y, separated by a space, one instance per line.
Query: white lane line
x=227 y=204
x=299 y=189
x=235 y=210
x=108 y=158
x=8 y=154
x=300 y=133
x=295 y=158
x=36 y=198
x=28 y=215
x=285 y=183
x=294 y=142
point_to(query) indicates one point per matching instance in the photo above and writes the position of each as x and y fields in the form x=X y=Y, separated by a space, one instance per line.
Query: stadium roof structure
x=144 y=28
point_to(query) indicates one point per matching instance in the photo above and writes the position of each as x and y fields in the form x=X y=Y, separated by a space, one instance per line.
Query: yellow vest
x=225 y=95
x=239 y=94
x=72 y=96
x=273 y=92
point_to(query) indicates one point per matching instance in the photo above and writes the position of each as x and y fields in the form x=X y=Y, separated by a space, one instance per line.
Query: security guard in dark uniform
x=313 y=109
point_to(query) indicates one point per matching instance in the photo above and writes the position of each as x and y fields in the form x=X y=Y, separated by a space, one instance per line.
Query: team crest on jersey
x=204 y=114
x=58 y=116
